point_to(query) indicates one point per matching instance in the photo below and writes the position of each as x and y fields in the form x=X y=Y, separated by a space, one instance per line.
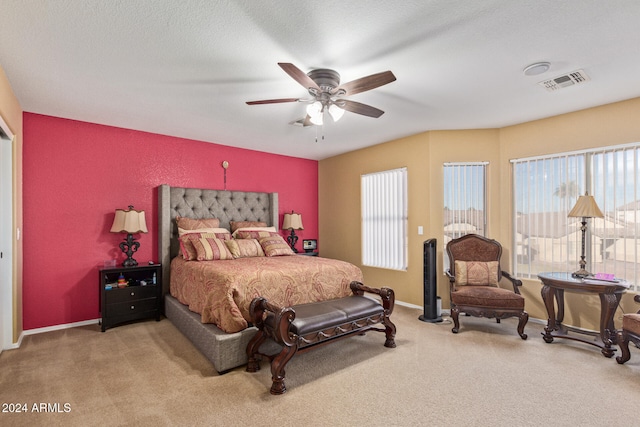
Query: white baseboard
x=49 y=329
x=419 y=307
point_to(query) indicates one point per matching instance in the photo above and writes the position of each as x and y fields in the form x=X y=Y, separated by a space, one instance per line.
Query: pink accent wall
x=76 y=174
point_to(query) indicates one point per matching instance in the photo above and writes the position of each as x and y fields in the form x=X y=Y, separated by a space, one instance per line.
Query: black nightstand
x=314 y=253
x=141 y=299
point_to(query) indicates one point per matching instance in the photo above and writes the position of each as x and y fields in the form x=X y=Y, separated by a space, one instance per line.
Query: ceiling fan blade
x=273 y=101
x=365 y=83
x=298 y=75
x=359 y=108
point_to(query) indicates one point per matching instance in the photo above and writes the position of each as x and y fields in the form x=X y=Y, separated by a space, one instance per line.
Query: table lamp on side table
x=292 y=221
x=585 y=207
x=130 y=221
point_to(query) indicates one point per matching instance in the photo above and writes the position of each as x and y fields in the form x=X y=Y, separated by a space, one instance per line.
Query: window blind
x=546 y=188
x=464 y=201
x=384 y=219
x=616 y=187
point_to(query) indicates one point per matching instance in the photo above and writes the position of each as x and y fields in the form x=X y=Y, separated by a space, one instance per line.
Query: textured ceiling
x=186 y=68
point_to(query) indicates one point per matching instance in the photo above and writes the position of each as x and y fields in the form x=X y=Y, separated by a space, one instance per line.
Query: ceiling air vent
x=565 y=80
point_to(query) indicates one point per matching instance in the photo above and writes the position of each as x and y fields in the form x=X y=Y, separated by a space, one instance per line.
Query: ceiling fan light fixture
x=336 y=112
x=314 y=109
x=315 y=112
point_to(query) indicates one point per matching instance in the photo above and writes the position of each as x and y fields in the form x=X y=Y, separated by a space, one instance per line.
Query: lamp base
x=129 y=262
x=292 y=239
x=129 y=247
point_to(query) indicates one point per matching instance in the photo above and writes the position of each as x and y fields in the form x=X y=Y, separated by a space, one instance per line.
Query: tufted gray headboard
x=198 y=203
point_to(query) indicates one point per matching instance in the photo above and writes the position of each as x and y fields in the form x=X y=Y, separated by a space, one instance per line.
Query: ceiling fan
x=326 y=93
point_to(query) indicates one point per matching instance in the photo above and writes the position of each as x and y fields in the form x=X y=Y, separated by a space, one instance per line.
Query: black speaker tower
x=430 y=282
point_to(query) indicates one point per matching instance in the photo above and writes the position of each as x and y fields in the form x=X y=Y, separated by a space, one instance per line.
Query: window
x=464 y=201
x=545 y=190
x=384 y=219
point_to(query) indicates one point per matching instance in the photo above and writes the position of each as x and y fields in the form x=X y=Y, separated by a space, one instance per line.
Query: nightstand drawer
x=130 y=294
x=132 y=307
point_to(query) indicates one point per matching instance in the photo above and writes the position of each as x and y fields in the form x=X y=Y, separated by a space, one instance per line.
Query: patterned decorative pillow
x=243 y=224
x=275 y=246
x=209 y=249
x=196 y=224
x=254 y=233
x=186 y=243
x=476 y=273
x=244 y=248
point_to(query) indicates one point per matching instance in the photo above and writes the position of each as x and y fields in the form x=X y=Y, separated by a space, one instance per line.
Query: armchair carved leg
x=623 y=342
x=455 y=313
x=524 y=318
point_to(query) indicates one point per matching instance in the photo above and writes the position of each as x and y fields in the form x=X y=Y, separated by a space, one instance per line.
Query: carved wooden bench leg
x=277 y=369
x=257 y=309
x=253 y=365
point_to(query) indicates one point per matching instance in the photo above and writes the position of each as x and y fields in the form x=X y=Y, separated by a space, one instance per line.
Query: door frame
x=6 y=244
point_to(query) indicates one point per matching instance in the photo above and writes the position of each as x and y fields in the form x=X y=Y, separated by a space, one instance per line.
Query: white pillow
x=182 y=231
x=273 y=229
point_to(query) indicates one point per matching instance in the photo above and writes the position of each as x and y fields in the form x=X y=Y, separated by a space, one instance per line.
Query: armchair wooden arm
x=515 y=282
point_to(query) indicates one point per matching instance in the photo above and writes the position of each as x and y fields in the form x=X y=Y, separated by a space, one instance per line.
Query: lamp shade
x=292 y=221
x=586 y=207
x=335 y=112
x=129 y=221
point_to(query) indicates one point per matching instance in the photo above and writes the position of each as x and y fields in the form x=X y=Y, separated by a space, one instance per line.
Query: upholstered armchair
x=474 y=277
x=630 y=331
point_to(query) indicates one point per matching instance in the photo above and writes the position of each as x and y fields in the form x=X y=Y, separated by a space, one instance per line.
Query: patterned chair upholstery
x=630 y=331
x=474 y=276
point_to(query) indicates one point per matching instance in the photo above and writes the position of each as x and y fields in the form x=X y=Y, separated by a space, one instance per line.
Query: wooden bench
x=303 y=327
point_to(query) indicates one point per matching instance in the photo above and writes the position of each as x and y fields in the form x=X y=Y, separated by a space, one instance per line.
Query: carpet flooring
x=148 y=374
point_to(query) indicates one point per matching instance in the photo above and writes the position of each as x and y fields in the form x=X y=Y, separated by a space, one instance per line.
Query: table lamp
x=129 y=221
x=585 y=207
x=292 y=221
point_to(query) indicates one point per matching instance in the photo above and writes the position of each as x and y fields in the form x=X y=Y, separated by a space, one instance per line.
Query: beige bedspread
x=221 y=291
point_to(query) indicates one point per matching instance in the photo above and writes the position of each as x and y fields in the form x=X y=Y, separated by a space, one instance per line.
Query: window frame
x=612 y=175
x=384 y=219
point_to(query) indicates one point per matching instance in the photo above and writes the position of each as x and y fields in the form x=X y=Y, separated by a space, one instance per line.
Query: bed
x=225 y=344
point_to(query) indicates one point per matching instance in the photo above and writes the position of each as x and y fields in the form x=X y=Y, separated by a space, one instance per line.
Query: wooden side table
x=140 y=299
x=610 y=293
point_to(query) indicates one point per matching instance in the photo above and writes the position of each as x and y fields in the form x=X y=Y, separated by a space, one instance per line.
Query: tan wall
x=11 y=112
x=424 y=155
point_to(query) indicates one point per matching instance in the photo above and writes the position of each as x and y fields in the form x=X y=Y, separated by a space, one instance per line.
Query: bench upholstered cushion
x=326 y=314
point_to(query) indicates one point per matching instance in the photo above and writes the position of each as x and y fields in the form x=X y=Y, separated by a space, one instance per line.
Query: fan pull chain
x=322 y=136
